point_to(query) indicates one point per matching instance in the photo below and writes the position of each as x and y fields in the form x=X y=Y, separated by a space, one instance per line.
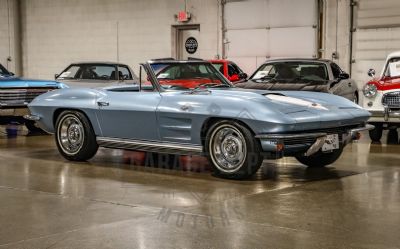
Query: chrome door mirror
x=371 y=72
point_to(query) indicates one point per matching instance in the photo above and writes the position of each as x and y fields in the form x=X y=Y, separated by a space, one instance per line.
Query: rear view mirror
x=371 y=72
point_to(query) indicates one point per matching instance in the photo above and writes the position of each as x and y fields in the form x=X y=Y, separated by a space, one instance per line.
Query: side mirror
x=243 y=76
x=12 y=74
x=56 y=76
x=344 y=76
x=371 y=72
x=125 y=77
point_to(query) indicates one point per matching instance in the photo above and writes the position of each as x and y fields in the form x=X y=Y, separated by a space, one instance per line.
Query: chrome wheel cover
x=70 y=134
x=227 y=148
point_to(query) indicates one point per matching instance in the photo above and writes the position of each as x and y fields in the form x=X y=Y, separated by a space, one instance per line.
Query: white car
x=382 y=97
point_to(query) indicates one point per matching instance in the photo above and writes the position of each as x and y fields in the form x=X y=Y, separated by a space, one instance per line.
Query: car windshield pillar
x=151 y=76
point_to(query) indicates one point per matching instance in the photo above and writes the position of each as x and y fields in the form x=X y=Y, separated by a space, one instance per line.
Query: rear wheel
x=75 y=138
x=376 y=133
x=232 y=150
x=320 y=159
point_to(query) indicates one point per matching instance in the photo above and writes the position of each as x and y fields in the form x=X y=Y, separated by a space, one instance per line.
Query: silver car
x=191 y=108
x=96 y=74
x=303 y=75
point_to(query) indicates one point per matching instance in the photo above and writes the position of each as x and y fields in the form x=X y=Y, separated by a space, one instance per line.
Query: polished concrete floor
x=109 y=202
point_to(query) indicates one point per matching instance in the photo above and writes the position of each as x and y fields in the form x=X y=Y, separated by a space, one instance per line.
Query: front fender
x=46 y=106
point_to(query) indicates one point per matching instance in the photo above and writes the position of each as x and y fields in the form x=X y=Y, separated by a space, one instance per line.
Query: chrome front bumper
x=272 y=142
x=32 y=117
x=386 y=114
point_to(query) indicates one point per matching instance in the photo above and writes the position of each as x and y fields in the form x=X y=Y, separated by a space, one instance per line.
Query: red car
x=178 y=74
x=230 y=70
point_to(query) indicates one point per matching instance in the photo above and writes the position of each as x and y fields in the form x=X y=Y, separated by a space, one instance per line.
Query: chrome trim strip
x=150 y=146
x=367 y=127
x=32 y=117
x=352 y=134
x=283 y=136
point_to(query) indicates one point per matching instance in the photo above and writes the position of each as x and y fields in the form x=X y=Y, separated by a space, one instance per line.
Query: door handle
x=185 y=107
x=103 y=103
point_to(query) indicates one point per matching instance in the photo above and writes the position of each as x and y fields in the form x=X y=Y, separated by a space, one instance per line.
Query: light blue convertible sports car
x=188 y=107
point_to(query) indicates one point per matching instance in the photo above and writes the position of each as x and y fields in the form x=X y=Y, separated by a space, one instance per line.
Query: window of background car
x=291 y=71
x=219 y=67
x=232 y=70
x=72 y=72
x=124 y=73
x=188 y=75
x=102 y=72
x=265 y=70
x=335 y=70
x=236 y=69
x=393 y=68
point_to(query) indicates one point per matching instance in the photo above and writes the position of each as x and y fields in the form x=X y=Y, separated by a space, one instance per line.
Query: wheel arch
x=92 y=117
x=212 y=120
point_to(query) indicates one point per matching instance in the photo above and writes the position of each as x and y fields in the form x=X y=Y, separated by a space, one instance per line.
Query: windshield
x=393 y=68
x=96 y=72
x=291 y=72
x=3 y=71
x=188 y=75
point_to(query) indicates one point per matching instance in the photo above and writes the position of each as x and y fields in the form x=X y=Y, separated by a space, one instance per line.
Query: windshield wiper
x=210 y=85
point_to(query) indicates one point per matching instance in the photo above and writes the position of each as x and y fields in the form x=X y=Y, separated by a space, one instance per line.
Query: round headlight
x=370 y=90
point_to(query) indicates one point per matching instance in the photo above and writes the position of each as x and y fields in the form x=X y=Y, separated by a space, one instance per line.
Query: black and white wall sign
x=191 y=45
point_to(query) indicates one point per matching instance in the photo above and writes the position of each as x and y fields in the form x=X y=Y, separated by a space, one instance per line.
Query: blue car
x=191 y=108
x=15 y=95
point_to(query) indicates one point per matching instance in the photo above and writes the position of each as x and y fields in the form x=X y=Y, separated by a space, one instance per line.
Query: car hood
x=308 y=109
x=16 y=82
x=298 y=86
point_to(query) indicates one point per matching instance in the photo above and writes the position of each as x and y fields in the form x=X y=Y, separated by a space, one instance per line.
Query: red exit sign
x=183 y=16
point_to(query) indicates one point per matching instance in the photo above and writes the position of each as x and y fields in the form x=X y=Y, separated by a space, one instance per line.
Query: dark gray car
x=305 y=75
x=96 y=74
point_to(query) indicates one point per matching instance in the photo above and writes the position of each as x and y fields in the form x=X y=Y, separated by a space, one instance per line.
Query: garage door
x=377 y=34
x=261 y=29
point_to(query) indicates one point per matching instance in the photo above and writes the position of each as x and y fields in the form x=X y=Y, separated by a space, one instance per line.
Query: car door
x=129 y=114
x=344 y=87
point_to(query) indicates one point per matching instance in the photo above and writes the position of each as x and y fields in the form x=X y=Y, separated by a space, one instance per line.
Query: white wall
x=9 y=35
x=58 y=32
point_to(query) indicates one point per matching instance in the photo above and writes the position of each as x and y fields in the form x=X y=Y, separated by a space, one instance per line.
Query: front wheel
x=320 y=159
x=232 y=150
x=75 y=138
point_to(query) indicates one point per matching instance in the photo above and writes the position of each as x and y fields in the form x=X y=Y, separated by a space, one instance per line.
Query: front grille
x=391 y=100
x=20 y=97
x=310 y=140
